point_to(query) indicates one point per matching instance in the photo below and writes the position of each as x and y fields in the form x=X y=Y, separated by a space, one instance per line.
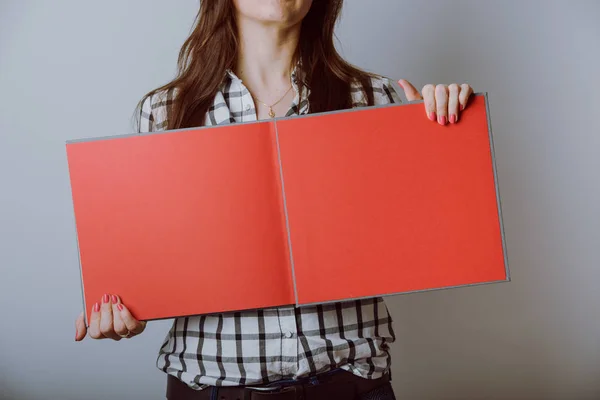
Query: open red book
x=301 y=210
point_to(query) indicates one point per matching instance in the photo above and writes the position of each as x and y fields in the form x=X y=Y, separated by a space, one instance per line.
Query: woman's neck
x=266 y=53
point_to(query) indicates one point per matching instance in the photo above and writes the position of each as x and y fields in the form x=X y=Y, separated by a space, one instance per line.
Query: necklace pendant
x=271 y=112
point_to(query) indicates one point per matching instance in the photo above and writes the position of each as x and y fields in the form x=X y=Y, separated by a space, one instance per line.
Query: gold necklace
x=271 y=112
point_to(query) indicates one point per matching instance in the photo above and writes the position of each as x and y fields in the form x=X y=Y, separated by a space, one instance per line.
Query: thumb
x=80 y=329
x=409 y=90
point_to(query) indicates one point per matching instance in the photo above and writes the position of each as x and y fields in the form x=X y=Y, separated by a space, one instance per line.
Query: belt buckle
x=248 y=390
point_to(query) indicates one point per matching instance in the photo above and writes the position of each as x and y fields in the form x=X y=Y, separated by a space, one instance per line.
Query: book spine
x=283 y=205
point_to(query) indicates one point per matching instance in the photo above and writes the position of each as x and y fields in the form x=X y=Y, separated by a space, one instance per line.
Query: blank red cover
x=182 y=222
x=301 y=210
x=383 y=201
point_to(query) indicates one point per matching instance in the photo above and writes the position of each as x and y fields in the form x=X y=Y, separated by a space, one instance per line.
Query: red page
x=182 y=222
x=383 y=201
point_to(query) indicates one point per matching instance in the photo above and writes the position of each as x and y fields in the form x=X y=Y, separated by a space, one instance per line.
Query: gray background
x=72 y=69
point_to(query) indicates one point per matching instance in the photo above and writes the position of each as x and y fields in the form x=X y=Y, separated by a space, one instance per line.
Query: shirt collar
x=295 y=76
x=300 y=103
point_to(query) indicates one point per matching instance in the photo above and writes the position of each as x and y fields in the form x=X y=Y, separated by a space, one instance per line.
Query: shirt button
x=248 y=107
x=288 y=334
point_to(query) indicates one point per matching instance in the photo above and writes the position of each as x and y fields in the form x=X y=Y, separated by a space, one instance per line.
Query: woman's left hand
x=443 y=103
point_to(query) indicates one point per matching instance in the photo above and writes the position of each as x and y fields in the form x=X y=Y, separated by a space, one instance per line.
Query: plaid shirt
x=262 y=346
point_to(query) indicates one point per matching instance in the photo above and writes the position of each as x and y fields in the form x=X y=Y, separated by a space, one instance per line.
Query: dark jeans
x=340 y=386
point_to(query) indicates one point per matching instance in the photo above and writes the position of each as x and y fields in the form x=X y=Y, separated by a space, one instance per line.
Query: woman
x=259 y=59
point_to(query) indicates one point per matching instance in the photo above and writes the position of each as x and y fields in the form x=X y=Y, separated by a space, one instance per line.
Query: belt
x=337 y=384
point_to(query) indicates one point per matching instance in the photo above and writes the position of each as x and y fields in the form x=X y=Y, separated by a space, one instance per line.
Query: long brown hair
x=212 y=48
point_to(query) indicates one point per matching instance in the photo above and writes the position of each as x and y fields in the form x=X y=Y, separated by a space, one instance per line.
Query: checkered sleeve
x=153 y=113
x=387 y=94
x=146 y=121
x=381 y=88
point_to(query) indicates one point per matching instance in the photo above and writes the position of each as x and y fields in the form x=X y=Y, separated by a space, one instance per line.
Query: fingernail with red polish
x=453 y=119
x=105 y=298
x=462 y=107
x=114 y=299
x=96 y=307
x=443 y=120
x=120 y=307
x=432 y=116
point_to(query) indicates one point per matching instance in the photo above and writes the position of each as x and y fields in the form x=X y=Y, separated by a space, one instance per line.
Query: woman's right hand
x=110 y=319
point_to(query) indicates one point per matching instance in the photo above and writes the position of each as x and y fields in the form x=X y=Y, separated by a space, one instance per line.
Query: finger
x=94 y=325
x=410 y=91
x=441 y=103
x=465 y=93
x=429 y=100
x=106 y=319
x=118 y=325
x=133 y=325
x=80 y=329
x=453 y=93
